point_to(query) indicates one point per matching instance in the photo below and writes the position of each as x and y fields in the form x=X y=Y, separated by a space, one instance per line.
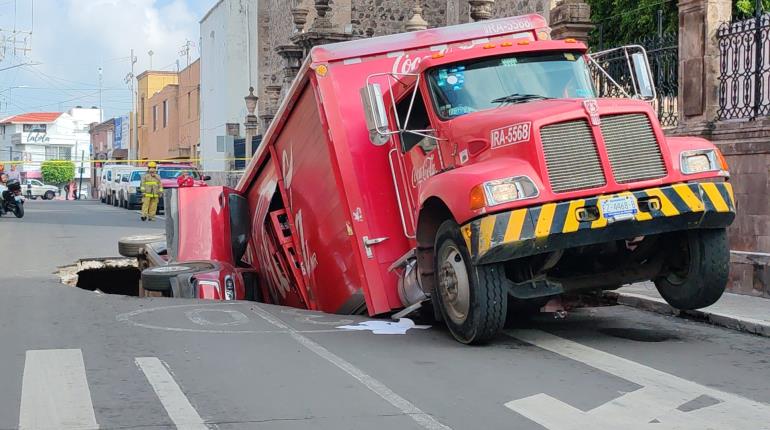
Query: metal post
x=758 y=49
x=80 y=185
x=660 y=24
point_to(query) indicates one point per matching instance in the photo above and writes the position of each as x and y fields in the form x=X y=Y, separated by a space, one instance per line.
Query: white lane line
x=425 y=420
x=54 y=392
x=653 y=406
x=170 y=395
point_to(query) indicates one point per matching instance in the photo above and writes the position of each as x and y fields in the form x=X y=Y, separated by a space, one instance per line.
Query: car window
x=136 y=176
x=109 y=175
x=35 y=182
x=124 y=178
x=174 y=172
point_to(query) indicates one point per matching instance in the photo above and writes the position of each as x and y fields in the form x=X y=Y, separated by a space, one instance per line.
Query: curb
x=657 y=305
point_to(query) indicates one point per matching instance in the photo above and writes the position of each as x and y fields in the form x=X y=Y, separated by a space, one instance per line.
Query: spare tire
x=157 y=278
x=131 y=246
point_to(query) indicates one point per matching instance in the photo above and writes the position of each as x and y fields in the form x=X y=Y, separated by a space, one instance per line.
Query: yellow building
x=149 y=83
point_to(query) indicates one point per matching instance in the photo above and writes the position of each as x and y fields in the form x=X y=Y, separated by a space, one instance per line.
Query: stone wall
x=361 y=18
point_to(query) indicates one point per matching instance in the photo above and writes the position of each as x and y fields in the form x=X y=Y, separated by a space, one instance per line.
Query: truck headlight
x=506 y=190
x=701 y=161
x=132 y=190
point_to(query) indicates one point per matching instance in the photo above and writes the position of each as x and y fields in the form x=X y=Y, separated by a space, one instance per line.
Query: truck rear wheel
x=698 y=270
x=472 y=299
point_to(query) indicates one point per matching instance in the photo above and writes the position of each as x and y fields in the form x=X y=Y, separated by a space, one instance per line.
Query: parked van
x=108 y=184
x=129 y=195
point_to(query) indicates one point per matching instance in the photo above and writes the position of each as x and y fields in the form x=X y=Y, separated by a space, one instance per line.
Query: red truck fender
x=452 y=188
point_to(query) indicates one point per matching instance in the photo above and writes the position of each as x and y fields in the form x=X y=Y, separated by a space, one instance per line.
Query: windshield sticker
x=508 y=62
x=511 y=135
x=583 y=93
x=569 y=56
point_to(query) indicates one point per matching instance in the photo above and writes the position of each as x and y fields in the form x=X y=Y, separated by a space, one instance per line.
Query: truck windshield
x=471 y=86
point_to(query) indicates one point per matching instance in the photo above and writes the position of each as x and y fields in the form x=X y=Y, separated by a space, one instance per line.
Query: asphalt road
x=70 y=358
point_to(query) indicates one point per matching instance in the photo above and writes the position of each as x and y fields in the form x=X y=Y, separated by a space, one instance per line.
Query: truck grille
x=571 y=156
x=632 y=148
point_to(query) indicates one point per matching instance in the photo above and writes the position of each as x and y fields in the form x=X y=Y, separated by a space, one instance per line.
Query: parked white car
x=108 y=184
x=32 y=188
x=127 y=189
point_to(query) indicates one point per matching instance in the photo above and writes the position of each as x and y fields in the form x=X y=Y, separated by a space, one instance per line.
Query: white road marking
x=54 y=392
x=236 y=318
x=170 y=395
x=385 y=327
x=426 y=421
x=654 y=406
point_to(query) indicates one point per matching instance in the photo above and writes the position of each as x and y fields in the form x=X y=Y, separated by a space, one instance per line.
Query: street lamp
x=251 y=122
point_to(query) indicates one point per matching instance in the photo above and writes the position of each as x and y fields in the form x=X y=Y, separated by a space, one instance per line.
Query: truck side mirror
x=376 y=114
x=643 y=75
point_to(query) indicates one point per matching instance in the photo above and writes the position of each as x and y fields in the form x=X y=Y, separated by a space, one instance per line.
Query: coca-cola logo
x=406 y=64
x=421 y=173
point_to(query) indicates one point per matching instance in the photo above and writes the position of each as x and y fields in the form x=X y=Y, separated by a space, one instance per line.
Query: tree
x=57 y=172
x=620 y=22
x=743 y=9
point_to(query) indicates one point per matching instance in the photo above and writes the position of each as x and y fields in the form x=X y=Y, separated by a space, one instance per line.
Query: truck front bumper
x=552 y=226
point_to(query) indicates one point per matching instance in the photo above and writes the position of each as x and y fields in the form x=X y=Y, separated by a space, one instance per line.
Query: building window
x=58 y=153
x=165 y=113
x=154 y=118
x=189 y=104
x=34 y=127
x=141 y=109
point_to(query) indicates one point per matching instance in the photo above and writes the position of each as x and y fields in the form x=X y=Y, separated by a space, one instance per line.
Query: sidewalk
x=735 y=311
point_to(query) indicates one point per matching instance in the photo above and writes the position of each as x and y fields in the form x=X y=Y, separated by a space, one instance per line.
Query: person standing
x=184 y=180
x=151 y=188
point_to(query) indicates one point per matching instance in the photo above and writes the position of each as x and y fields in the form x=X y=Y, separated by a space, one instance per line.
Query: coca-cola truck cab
x=472 y=167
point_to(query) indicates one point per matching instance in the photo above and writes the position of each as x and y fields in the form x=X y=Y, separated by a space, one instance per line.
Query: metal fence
x=663 y=52
x=744 y=63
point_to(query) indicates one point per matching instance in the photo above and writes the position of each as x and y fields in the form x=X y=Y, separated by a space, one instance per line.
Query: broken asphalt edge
x=652 y=304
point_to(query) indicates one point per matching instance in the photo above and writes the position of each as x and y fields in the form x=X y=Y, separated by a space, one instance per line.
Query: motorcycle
x=11 y=199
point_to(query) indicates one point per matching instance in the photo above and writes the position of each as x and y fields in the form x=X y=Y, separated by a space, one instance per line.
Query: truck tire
x=698 y=273
x=131 y=246
x=157 y=278
x=49 y=195
x=473 y=299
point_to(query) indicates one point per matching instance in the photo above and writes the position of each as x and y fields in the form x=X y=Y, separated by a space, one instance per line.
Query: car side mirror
x=206 y=177
x=376 y=114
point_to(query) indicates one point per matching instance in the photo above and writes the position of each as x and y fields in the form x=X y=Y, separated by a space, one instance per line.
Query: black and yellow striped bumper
x=534 y=230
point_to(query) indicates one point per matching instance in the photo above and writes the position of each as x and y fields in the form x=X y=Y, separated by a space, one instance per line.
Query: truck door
x=413 y=157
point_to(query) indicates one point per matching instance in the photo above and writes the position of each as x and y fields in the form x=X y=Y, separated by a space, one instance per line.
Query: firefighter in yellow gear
x=151 y=188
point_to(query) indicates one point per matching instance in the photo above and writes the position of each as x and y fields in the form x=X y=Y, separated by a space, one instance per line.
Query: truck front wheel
x=472 y=299
x=697 y=270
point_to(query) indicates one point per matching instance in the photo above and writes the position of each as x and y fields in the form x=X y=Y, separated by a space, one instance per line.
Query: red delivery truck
x=471 y=167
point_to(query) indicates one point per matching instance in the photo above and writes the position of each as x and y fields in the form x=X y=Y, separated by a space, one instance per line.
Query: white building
x=228 y=68
x=35 y=137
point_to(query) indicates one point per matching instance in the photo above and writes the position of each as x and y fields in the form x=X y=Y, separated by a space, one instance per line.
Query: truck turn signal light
x=478 y=200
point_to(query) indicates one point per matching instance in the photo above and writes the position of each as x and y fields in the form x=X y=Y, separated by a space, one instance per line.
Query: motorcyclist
x=151 y=188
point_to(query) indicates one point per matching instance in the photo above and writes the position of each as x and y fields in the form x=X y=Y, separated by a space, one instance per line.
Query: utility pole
x=80 y=186
x=150 y=53
x=101 y=110
x=185 y=51
x=134 y=102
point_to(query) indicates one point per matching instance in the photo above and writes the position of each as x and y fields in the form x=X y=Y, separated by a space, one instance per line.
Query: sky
x=72 y=39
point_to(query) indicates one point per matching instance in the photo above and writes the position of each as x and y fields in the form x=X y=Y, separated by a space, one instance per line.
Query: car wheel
x=472 y=299
x=158 y=278
x=132 y=246
x=698 y=270
x=49 y=195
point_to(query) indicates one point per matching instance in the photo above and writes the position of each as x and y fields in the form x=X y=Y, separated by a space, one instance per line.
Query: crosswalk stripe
x=170 y=395
x=54 y=392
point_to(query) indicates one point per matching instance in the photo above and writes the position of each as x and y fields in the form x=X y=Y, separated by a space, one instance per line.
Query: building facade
x=148 y=84
x=29 y=139
x=173 y=122
x=281 y=20
x=229 y=66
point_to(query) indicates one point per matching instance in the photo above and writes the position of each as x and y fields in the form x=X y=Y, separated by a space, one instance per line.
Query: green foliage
x=57 y=172
x=745 y=8
x=624 y=21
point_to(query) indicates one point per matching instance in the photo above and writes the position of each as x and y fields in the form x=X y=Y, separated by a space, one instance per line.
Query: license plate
x=618 y=208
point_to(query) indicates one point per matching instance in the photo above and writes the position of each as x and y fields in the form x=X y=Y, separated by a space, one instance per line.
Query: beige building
x=170 y=117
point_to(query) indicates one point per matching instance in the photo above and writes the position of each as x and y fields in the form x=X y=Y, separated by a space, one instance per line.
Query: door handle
x=368 y=243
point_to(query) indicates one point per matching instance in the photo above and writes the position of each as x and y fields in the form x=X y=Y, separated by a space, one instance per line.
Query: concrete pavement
x=77 y=359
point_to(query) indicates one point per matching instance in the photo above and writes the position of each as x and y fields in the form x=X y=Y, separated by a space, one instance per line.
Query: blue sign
x=118 y=140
